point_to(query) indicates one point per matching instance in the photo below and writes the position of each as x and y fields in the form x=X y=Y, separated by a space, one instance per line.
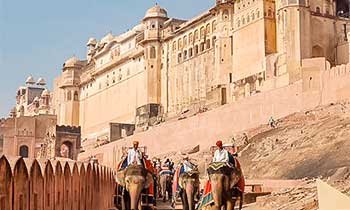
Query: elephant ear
x=235 y=177
x=121 y=178
x=149 y=180
x=181 y=182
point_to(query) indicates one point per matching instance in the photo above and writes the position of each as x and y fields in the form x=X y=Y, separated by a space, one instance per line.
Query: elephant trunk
x=135 y=192
x=190 y=196
x=217 y=191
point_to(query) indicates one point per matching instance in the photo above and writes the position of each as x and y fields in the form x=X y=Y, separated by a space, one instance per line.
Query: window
x=318 y=10
x=76 y=96
x=269 y=12
x=196 y=50
x=207 y=29
x=152 y=52
x=190 y=52
x=185 y=41
x=196 y=35
x=179 y=43
x=214 y=39
x=24 y=151
x=202 y=31
x=185 y=54
x=174 y=46
x=69 y=96
x=238 y=22
x=190 y=41
x=208 y=43
x=202 y=46
x=225 y=15
x=179 y=58
x=214 y=25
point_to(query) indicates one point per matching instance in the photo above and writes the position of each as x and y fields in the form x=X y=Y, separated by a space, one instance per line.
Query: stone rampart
x=27 y=184
x=327 y=85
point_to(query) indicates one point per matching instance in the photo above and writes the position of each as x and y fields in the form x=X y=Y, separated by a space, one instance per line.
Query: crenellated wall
x=31 y=184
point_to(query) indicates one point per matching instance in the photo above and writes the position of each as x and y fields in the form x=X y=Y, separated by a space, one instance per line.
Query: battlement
x=68 y=129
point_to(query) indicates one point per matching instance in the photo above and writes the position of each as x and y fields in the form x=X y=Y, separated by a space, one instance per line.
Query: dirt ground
x=306 y=145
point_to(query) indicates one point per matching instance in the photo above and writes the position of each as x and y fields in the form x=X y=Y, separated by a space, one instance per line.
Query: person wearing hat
x=134 y=155
x=221 y=154
x=187 y=165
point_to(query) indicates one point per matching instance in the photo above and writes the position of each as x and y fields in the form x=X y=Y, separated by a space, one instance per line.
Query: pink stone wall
x=204 y=129
x=27 y=184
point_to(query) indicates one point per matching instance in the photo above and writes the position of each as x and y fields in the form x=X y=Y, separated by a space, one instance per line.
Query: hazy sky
x=37 y=36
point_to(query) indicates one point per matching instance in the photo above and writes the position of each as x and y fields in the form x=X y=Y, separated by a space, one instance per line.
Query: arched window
x=196 y=35
x=76 y=96
x=66 y=150
x=225 y=14
x=208 y=43
x=214 y=25
x=253 y=16
x=207 y=28
x=190 y=41
x=196 y=50
x=202 y=31
x=238 y=22
x=318 y=10
x=257 y=14
x=190 y=52
x=185 y=41
x=69 y=96
x=152 y=52
x=185 y=54
x=174 y=46
x=248 y=18
x=24 y=151
x=269 y=12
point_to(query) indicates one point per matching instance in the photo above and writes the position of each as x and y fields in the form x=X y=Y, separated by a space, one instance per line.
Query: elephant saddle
x=220 y=168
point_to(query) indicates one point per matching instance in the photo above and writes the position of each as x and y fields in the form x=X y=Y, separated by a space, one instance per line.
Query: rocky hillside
x=309 y=144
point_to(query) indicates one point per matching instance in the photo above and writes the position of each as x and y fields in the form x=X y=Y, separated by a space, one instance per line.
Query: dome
x=71 y=62
x=41 y=81
x=30 y=80
x=45 y=93
x=156 y=11
x=92 y=42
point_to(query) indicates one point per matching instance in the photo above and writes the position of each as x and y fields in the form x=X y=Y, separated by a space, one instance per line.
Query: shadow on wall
x=27 y=184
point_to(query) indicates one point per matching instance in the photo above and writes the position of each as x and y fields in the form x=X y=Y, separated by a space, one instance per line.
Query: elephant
x=134 y=179
x=189 y=187
x=223 y=178
x=165 y=181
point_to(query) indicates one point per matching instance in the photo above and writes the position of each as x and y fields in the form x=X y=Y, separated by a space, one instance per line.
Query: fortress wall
x=332 y=85
x=33 y=184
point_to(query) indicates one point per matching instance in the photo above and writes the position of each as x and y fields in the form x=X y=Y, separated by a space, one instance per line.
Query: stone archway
x=24 y=151
x=66 y=150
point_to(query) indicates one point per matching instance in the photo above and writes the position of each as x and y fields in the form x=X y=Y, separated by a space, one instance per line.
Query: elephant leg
x=185 y=204
x=241 y=201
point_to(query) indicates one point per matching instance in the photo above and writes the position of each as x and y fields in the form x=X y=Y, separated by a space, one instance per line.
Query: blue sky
x=37 y=36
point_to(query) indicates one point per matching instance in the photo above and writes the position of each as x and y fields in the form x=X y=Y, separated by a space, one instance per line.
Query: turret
x=69 y=86
x=293 y=37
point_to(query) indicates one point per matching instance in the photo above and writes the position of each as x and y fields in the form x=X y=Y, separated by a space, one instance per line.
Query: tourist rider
x=187 y=165
x=135 y=155
x=221 y=154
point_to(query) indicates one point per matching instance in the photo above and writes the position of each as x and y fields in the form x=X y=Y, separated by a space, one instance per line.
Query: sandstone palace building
x=165 y=67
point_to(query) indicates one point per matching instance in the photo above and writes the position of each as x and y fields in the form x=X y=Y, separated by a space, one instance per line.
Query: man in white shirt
x=220 y=155
x=134 y=155
x=188 y=166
